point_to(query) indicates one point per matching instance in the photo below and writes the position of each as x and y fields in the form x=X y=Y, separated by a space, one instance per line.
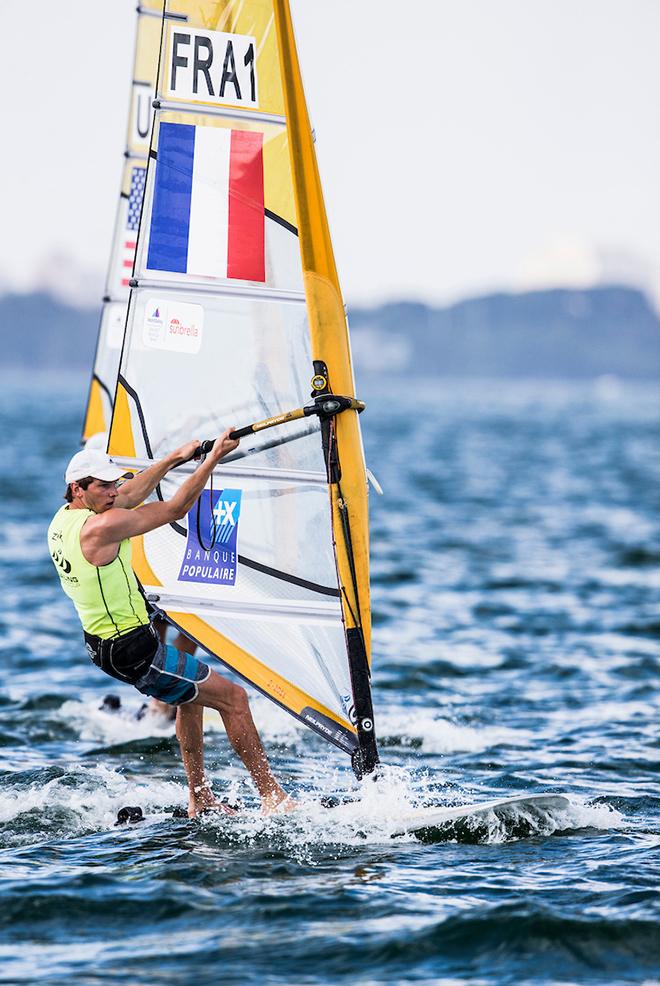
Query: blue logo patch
x=214 y=560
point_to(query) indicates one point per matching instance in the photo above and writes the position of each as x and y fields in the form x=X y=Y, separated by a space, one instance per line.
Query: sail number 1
x=212 y=67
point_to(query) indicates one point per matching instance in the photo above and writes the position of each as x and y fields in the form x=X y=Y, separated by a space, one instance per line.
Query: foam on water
x=515 y=569
x=433 y=734
x=98 y=725
x=380 y=810
x=436 y=734
x=90 y=797
x=373 y=811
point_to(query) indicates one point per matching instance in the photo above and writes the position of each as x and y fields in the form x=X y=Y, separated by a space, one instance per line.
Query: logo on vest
x=60 y=560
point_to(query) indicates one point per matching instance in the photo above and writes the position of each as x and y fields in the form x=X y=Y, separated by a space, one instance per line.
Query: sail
x=124 y=241
x=235 y=306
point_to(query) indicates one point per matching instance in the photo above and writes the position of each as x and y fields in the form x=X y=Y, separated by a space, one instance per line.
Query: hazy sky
x=465 y=145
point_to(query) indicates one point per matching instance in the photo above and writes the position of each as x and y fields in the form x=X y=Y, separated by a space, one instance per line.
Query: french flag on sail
x=208 y=209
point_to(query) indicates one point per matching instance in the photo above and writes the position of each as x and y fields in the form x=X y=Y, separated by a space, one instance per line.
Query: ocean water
x=516 y=576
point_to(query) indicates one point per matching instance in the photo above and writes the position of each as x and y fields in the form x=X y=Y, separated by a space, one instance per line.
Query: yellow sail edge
x=328 y=330
x=141 y=566
x=121 y=440
x=251 y=668
x=94 y=418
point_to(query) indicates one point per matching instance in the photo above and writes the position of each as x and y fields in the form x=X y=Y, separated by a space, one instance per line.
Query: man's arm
x=101 y=535
x=135 y=491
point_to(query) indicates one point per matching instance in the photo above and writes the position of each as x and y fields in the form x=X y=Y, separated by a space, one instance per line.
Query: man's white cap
x=92 y=462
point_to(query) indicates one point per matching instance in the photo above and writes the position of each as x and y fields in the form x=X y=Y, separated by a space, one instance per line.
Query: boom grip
x=240 y=433
x=208 y=444
x=325 y=407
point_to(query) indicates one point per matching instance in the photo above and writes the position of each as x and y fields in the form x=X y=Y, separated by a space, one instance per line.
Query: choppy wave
x=65 y=802
x=515 y=579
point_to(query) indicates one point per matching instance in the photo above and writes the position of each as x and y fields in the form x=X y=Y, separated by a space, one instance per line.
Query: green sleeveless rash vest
x=107 y=598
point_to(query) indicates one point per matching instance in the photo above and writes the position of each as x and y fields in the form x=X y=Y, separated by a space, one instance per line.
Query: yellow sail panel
x=122 y=440
x=95 y=420
x=141 y=565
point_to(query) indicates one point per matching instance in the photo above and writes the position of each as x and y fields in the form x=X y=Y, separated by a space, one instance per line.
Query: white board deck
x=421 y=819
x=426 y=818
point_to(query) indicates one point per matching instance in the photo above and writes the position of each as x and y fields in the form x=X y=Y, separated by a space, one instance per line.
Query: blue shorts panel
x=174 y=676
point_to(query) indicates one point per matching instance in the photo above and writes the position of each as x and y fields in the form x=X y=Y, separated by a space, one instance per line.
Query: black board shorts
x=156 y=669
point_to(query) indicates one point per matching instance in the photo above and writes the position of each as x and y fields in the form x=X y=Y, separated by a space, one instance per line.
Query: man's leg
x=181 y=642
x=190 y=734
x=231 y=702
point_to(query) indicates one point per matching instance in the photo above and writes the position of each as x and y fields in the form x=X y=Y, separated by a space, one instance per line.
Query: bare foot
x=217 y=808
x=278 y=803
x=203 y=799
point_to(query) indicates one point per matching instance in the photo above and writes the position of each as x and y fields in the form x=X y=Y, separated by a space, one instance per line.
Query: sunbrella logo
x=173 y=325
x=212 y=546
x=179 y=328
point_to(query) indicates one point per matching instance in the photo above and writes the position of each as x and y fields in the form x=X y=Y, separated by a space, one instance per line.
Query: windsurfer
x=89 y=541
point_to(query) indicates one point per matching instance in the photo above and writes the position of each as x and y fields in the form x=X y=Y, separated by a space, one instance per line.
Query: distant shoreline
x=555 y=334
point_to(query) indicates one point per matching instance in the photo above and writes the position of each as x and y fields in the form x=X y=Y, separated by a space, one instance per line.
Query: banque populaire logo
x=214 y=560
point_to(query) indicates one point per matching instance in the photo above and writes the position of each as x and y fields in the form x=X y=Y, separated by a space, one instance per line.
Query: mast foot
x=364 y=762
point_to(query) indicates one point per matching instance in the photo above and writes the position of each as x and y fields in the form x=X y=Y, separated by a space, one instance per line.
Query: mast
x=332 y=362
x=234 y=306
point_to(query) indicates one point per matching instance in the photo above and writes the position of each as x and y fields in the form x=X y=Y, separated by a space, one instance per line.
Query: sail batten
x=230 y=468
x=235 y=313
x=203 y=287
x=283 y=610
x=158 y=13
x=223 y=112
